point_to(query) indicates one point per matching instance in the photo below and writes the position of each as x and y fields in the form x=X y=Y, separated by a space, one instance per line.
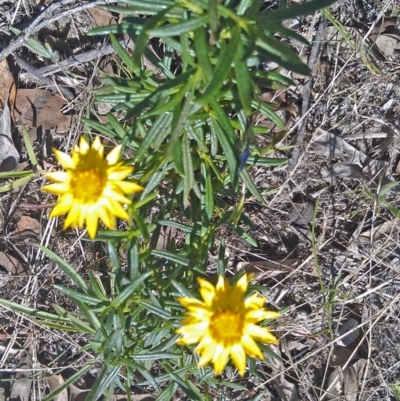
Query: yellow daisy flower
x=225 y=324
x=92 y=186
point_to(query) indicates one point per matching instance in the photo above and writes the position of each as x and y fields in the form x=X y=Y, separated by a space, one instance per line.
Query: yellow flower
x=225 y=324
x=92 y=187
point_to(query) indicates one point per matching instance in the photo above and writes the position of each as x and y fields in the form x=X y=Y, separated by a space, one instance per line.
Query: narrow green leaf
x=66 y=268
x=161 y=126
x=68 y=382
x=293 y=11
x=28 y=145
x=245 y=176
x=105 y=378
x=80 y=296
x=171 y=256
x=227 y=148
x=180 y=28
x=188 y=178
x=225 y=124
x=15 y=174
x=78 y=323
x=201 y=48
x=222 y=69
x=133 y=260
x=125 y=57
x=164 y=314
x=209 y=195
x=153 y=356
x=99 y=127
x=128 y=290
x=179 y=226
x=32 y=312
x=17 y=183
x=243 y=78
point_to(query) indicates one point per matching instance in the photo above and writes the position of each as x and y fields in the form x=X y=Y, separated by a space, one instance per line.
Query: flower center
x=226 y=327
x=87 y=186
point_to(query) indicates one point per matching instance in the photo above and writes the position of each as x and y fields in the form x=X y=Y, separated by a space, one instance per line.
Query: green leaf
x=128 y=290
x=153 y=356
x=68 y=382
x=125 y=57
x=105 y=378
x=161 y=126
x=188 y=178
x=17 y=183
x=78 y=323
x=201 y=47
x=245 y=176
x=32 y=312
x=180 y=28
x=133 y=260
x=66 y=268
x=243 y=78
x=171 y=256
x=80 y=296
x=15 y=174
x=179 y=226
x=293 y=11
x=222 y=69
x=227 y=149
x=155 y=309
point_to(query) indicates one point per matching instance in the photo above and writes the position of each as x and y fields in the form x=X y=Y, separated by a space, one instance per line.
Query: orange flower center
x=87 y=186
x=226 y=327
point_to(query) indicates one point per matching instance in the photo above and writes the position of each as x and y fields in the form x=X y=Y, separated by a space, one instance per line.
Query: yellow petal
x=58 y=189
x=65 y=160
x=239 y=358
x=128 y=187
x=63 y=206
x=58 y=176
x=250 y=347
x=220 y=359
x=92 y=225
x=261 y=334
x=114 y=155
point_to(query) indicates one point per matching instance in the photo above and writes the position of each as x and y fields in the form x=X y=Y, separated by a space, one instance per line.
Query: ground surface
x=343 y=274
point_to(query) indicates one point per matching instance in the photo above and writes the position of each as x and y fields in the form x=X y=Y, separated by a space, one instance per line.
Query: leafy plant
x=187 y=113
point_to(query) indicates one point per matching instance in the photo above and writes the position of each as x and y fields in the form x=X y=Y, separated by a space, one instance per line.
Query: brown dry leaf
x=101 y=17
x=22 y=384
x=7 y=86
x=54 y=383
x=39 y=107
x=343 y=385
x=389 y=45
x=27 y=227
x=379 y=231
x=12 y=265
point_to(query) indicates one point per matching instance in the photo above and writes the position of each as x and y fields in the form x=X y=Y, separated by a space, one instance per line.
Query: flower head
x=92 y=186
x=225 y=324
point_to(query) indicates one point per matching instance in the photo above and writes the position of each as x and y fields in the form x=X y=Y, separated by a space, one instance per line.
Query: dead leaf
x=9 y=156
x=12 y=265
x=7 y=86
x=379 y=231
x=39 y=107
x=54 y=383
x=22 y=384
x=101 y=17
x=389 y=45
x=27 y=227
x=331 y=146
